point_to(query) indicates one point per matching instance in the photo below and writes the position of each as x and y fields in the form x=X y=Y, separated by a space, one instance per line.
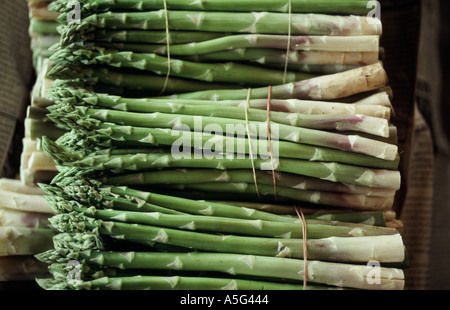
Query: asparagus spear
x=223 y=116
x=311 y=106
x=375 y=218
x=218 y=224
x=238 y=41
x=37 y=124
x=154 y=36
x=216 y=181
x=107 y=195
x=166 y=283
x=270 y=58
x=24 y=202
x=194 y=176
x=276 y=268
x=81 y=96
x=214 y=72
x=237 y=22
x=210 y=133
x=355 y=7
x=18 y=218
x=328 y=87
x=384 y=248
x=282 y=209
x=267 y=57
x=24 y=240
x=201 y=283
x=77 y=144
x=355 y=202
x=318 y=69
x=107 y=201
x=109 y=138
x=141 y=37
x=35 y=166
x=34 y=129
x=379 y=98
x=42 y=27
x=135 y=80
x=240 y=265
x=92 y=192
x=332 y=171
x=327 y=171
x=335 y=86
x=315 y=68
x=17 y=186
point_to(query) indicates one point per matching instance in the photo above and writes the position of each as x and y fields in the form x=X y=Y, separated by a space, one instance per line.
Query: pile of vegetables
x=24 y=231
x=219 y=145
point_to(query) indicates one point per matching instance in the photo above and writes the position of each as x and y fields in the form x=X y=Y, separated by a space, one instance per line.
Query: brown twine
x=169 y=67
x=305 y=245
x=270 y=142
x=250 y=142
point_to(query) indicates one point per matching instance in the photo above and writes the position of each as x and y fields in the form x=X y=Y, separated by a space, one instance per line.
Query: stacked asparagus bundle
x=114 y=237
x=36 y=166
x=42 y=30
x=24 y=231
x=24 y=226
x=169 y=108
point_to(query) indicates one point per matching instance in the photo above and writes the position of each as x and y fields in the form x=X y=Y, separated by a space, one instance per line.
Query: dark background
x=402 y=24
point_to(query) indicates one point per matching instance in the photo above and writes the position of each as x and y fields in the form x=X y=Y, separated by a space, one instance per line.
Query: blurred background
x=416 y=42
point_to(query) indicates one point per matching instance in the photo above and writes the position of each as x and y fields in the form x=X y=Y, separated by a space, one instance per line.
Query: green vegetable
x=217 y=224
x=383 y=248
x=356 y=7
x=229 y=72
x=332 y=171
x=262 y=267
x=158 y=128
x=326 y=87
x=237 y=22
x=248 y=41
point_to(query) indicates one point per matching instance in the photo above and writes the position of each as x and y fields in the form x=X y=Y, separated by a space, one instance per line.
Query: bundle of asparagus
x=97 y=222
x=24 y=231
x=183 y=132
x=42 y=30
x=335 y=149
x=36 y=166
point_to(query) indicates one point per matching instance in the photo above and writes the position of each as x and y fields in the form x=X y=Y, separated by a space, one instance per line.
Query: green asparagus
x=24 y=240
x=327 y=87
x=356 y=7
x=203 y=223
x=155 y=128
x=82 y=96
x=331 y=171
x=235 y=264
x=210 y=145
x=239 y=41
x=194 y=176
x=229 y=72
x=237 y=22
x=383 y=248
